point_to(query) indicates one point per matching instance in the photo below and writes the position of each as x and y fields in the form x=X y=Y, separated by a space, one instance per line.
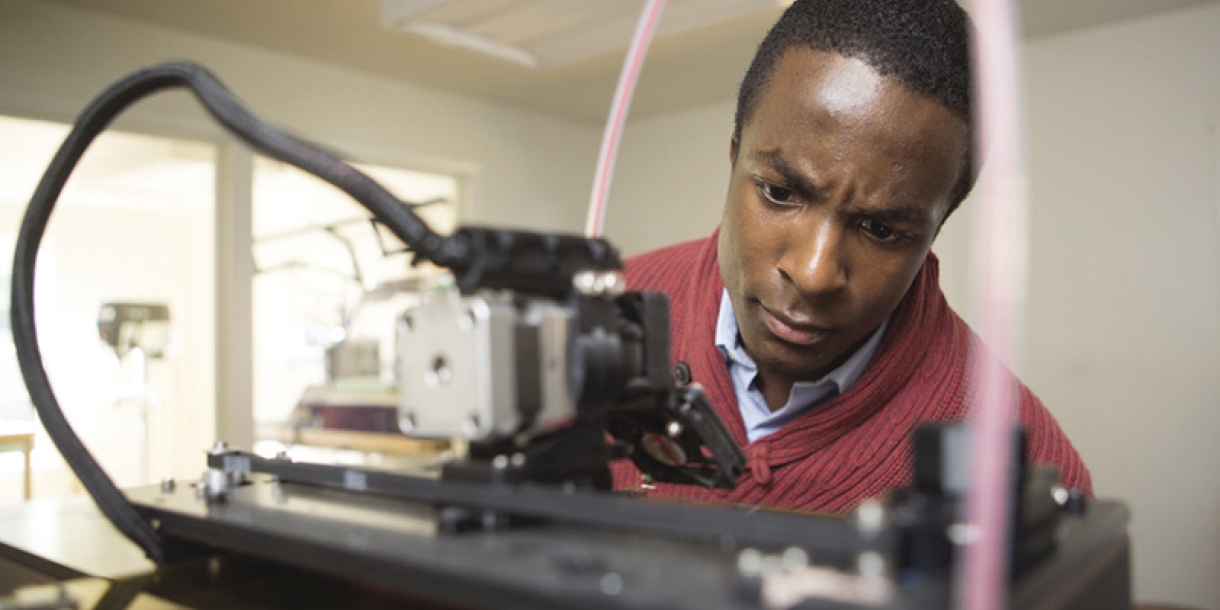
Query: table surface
x=73 y=533
x=11 y=431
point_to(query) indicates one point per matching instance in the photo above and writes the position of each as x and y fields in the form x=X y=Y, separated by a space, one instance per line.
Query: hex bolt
x=215 y=483
x=794 y=558
x=674 y=428
x=1060 y=495
x=962 y=534
x=613 y=283
x=585 y=282
x=611 y=583
x=470 y=427
x=870 y=518
x=750 y=562
x=467 y=320
x=870 y=563
x=406 y=423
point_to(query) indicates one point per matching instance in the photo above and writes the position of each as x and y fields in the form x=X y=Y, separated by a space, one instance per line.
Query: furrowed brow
x=774 y=159
x=898 y=215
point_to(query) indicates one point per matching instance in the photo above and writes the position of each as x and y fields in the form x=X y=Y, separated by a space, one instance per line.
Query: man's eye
x=776 y=194
x=879 y=231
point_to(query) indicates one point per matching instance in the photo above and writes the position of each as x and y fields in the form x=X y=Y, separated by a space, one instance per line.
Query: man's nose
x=814 y=259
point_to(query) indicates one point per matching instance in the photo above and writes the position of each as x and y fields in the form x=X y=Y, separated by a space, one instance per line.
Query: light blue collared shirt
x=805 y=395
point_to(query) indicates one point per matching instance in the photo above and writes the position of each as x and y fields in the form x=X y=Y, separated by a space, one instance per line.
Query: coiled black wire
x=224 y=107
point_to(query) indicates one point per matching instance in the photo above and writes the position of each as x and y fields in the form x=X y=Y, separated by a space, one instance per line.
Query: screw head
x=470 y=427
x=870 y=563
x=674 y=428
x=750 y=562
x=611 y=583
x=870 y=517
x=1060 y=495
x=794 y=558
x=406 y=422
x=585 y=282
x=613 y=283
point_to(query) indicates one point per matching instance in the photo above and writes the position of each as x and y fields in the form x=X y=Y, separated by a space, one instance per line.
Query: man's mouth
x=791 y=331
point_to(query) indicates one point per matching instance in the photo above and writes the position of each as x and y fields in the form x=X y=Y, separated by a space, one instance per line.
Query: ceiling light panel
x=549 y=33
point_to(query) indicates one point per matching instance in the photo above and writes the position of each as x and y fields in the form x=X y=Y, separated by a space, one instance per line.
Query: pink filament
x=618 y=115
x=1002 y=251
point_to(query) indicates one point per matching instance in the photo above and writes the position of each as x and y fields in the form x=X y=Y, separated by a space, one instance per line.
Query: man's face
x=840 y=182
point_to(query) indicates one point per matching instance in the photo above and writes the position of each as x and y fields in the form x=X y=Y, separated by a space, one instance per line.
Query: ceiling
x=684 y=68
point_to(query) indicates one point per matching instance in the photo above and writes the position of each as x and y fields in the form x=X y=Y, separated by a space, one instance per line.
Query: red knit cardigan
x=854 y=446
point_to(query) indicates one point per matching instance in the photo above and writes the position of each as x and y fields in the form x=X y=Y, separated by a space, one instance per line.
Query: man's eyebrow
x=909 y=214
x=774 y=158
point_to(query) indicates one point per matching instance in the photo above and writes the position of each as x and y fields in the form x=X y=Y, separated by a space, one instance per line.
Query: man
x=813 y=317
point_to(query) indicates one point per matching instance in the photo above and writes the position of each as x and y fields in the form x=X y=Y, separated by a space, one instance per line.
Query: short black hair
x=924 y=44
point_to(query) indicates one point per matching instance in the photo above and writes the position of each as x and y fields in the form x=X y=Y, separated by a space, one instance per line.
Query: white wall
x=671 y=177
x=1124 y=323
x=1123 y=326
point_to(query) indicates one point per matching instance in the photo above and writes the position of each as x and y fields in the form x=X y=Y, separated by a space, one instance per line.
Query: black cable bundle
x=399 y=218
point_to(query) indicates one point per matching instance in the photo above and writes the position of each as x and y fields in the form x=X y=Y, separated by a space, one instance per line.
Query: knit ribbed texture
x=854 y=446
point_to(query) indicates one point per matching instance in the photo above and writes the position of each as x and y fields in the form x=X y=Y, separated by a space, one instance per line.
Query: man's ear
x=734 y=146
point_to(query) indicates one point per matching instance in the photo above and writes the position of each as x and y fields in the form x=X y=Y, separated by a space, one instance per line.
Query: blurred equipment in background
x=128 y=327
x=136 y=332
x=355 y=407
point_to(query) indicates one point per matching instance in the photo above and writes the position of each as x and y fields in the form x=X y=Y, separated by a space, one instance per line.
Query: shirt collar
x=728 y=338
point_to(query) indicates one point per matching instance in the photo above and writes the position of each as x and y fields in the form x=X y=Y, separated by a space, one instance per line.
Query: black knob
x=682 y=373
